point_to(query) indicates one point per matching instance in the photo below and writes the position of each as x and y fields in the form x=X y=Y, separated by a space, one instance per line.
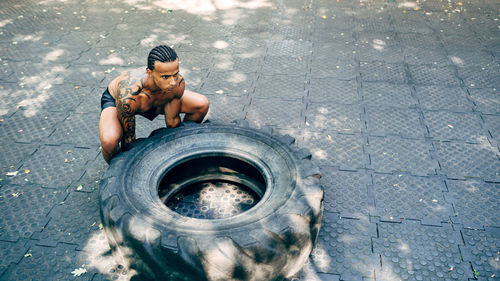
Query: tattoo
x=126 y=102
x=149 y=97
x=180 y=82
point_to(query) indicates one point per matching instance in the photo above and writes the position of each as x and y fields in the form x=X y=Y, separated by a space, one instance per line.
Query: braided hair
x=161 y=53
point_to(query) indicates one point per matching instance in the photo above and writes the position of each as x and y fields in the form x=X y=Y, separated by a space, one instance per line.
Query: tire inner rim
x=212 y=187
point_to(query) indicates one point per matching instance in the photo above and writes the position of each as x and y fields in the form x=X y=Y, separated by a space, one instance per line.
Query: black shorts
x=107 y=100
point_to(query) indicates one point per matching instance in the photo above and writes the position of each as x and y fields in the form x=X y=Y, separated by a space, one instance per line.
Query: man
x=160 y=89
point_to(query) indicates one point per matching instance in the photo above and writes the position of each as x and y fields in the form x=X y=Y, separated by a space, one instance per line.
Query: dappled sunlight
x=224 y=62
x=26 y=38
x=471 y=186
x=33 y=103
x=219 y=44
x=5 y=22
x=47 y=2
x=456 y=60
x=205 y=7
x=378 y=44
x=403 y=247
x=53 y=55
x=408 y=5
x=44 y=80
x=387 y=274
x=148 y=41
x=97 y=255
x=319 y=154
x=438 y=209
x=112 y=59
x=234 y=16
x=321 y=258
x=237 y=77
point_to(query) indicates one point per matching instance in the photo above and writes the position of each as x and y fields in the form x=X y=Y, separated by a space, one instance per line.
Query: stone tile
x=30 y=125
x=272 y=112
x=28 y=206
x=344 y=247
x=437 y=97
x=486 y=100
x=54 y=166
x=337 y=117
x=401 y=196
x=346 y=193
x=410 y=250
x=338 y=150
x=433 y=75
x=290 y=87
x=443 y=125
x=232 y=83
x=394 y=154
x=379 y=71
x=479 y=209
x=482 y=251
x=394 y=121
x=227 y=108
x=461 y=160
x=382 y=94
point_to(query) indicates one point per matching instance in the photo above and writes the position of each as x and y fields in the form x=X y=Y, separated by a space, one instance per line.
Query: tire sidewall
x=152 y=160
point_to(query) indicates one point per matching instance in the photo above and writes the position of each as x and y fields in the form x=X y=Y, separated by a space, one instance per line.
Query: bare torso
x=150 y=103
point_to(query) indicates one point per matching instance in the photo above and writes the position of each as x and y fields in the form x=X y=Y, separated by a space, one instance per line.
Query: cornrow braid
x=161 y=53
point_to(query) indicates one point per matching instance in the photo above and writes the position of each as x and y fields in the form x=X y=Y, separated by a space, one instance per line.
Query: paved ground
x=398 y=101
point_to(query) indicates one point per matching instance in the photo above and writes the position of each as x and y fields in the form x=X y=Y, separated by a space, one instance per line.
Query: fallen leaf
x=28 y=255
x=80 y=187
x=16 y=194
x=79 y=271
x=77 y=87
x=69 y=151
x=12 y=174
x=26 y=171
x=101 y=227
x=220 y=92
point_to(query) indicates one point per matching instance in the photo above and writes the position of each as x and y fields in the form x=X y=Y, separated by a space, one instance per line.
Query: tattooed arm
x=127 y=107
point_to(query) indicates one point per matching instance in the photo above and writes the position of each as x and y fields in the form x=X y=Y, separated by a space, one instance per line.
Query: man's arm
x=172 y=110
x=126 y=108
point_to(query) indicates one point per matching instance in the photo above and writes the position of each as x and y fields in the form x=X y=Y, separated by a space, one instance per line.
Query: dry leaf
x=26 y=171
x=79 y=271
x=28 y=255
x=12 y=174
x=80 y=187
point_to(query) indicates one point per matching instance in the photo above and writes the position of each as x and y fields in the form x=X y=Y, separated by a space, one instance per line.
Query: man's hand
x=172 y=110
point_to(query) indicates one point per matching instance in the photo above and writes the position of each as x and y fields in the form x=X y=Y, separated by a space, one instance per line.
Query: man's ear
x=149 y=71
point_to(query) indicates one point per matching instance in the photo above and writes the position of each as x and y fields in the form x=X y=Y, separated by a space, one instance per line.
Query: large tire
x=270 y=241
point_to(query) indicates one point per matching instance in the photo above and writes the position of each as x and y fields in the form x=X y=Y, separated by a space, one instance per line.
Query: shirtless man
x=159 y=89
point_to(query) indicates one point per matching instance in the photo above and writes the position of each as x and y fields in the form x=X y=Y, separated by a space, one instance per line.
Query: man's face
x=165 y=74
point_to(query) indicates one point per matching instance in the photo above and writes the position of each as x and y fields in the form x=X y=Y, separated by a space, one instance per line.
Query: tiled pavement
x=397 y=100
